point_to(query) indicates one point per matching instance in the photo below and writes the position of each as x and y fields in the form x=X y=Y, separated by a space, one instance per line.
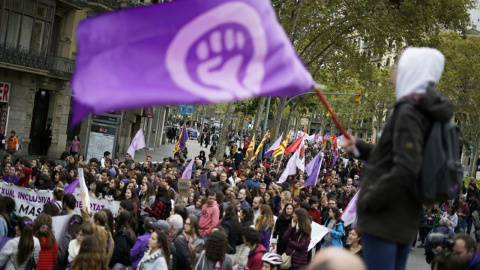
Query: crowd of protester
x=243 y=220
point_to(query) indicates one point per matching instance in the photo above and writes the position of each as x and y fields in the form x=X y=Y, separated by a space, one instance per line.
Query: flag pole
x=334 y=118
x=146 y=158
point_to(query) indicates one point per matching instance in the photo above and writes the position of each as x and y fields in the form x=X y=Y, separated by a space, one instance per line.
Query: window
x=27 y=23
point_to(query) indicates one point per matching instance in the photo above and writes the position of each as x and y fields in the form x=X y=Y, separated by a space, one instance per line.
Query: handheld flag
x=273 y=147
x=182 y=139
x=138 y=142
x=350 y=214
x=203 y=51
x=301 y=155
x=290 y=169
x=71 y=187
x=281 y=149
x=187 y=174
x=260 y=146
x=334 y=152
x=294 y=146
x=251 y=146
x=313 y=169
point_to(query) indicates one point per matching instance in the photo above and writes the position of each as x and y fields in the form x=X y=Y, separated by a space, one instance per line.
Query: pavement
x=158 y=154
x=416 y=259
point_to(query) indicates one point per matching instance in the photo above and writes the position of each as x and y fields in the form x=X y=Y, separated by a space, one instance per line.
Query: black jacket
x=387 y=207
x=281 y=227
x=234 y=234
x=181 y=247
x=121 y=250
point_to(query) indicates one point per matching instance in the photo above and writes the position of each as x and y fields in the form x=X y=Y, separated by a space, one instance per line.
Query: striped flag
x=260 y=146
x=281 y=149
x=182 y=139
x=274 y=146
x=251 y=146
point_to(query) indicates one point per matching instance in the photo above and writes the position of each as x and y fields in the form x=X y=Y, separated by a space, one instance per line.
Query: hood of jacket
x=258 y=249
x=417 y=69
x=130 y=241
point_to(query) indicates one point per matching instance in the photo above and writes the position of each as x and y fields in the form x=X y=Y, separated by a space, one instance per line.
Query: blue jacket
x=336 y=232
x=474 y=263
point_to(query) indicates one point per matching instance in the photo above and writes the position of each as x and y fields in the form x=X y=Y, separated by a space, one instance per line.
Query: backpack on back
x=441 y=176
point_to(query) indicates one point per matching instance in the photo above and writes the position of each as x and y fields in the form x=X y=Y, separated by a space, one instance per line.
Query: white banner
x=318 y=232
x=30 y=202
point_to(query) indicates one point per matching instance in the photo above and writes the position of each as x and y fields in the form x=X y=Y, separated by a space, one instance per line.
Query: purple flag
x=291 y=167
x=184 y=138
x=312 y=177
x=350 y=214
x=187 y=174
x=274 y=146
x=71 y=188
x=311 y=165
x=202 y=179
x=184 y=52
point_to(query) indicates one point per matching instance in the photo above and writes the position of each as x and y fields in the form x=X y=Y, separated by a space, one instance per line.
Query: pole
x=335 y=119
x=265 y=122
x=146 y=159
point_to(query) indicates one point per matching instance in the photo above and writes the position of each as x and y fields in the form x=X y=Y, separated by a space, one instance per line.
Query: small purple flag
x=313 y=176
x=187 y=174
x=274 y=146
x=184 y=52
x=71 y=188
x=184 y=138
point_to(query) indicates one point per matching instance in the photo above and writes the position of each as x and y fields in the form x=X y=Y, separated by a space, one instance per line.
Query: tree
x=326 y=33
x=461 y=83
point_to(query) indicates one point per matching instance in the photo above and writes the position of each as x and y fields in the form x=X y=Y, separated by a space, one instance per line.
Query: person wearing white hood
x=388 y=213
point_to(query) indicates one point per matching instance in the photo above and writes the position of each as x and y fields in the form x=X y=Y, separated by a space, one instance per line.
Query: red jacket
x=255 y=258
x=315 y=214
x=47 y=256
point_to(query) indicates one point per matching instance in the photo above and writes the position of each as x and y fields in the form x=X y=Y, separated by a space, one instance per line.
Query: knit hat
x=113 y=172
x=125 y=181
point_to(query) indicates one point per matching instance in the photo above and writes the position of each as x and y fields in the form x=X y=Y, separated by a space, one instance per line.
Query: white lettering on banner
x=30 y=203
x=4 y=91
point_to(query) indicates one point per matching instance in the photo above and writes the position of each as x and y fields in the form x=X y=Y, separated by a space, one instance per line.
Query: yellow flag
x=251 y=146
x=260 y=146
x=281 y=149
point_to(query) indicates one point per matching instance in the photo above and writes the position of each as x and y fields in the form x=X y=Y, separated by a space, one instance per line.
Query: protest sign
x=202 y=179
x=184 y=188
x=318 y=232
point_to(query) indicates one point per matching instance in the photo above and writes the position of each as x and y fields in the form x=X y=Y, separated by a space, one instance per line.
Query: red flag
x=294 y=146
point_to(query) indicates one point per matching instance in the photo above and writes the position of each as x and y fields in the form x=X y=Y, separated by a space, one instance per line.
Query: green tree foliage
x=461 y=83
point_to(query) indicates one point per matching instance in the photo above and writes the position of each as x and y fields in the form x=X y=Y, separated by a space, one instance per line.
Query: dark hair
x=128 y=206
x=210 y=192
x=123 y=223
x=70 y=201
x=182 y=211
x=74 y=225
x=148 y=224
x=216 y=246
x=58 y=194
x=162 y=239
x=251 y=235
x=51 y=209
x=64 y=155
x=336 y=211
x=25 y=244
x=232 y=213
x=106 y=153
x=248 y=214
x=3 y=210
x=284 y=211
x=448 y=261
x=9 y=204
x=303 y=222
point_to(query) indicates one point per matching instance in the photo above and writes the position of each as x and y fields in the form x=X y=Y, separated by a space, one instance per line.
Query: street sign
x=189 y=109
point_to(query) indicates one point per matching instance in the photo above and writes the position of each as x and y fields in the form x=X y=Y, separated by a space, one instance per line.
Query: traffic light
x=357 y=95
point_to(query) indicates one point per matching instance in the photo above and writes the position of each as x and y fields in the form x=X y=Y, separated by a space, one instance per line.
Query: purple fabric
x=71 y=188
x=317 y=165
x=13 y=179
x=184 y=52
x=187 y=174
x=274 y=146
x=202 y=179
x=184 y=138
x=138 y=249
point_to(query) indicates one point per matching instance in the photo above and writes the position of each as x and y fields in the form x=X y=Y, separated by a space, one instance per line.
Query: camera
x=439 y=244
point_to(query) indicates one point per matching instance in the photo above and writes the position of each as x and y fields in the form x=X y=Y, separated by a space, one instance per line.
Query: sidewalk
x=158 y=154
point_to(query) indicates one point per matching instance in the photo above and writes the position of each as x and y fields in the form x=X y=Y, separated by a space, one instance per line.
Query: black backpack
x=442 y=172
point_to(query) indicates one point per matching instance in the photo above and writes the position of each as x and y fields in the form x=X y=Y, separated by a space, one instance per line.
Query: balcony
x=32 y=58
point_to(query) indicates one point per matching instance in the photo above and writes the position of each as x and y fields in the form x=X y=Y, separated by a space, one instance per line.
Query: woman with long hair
x=162 y=206
x=268 y=200
x=281 y=225
x=264 y=225
x=157 y=256
x=100 y=225
x=42 y=229
x=73 y=227
x=113 y=190
x=17 y=251
x=246 y=216
x=124 y=240
x=191 y=232
x=147 y=194
x=451 y=214
x=297 y=238
x=215 y=254
x=233 y=228
x=335 y=228
x=74 y=245
x=90 y=255
x=131 y=195
x=127 y=205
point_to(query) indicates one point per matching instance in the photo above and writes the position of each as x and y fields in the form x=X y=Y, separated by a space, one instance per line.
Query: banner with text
x=30 y=202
